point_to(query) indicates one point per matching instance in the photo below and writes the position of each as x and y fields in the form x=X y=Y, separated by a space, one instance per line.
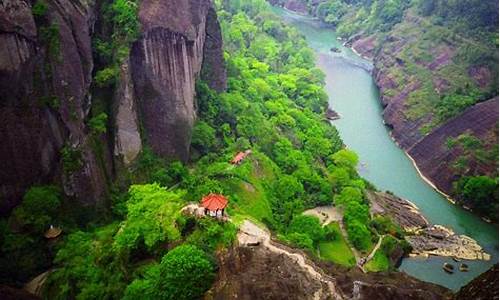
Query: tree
x=308 y=225
x=345 y=158
x=203 y=138
x=359 y=235
x=39 y=207
x=185 y=273
x=481 y=192
x=151 y=215
x=348 y=194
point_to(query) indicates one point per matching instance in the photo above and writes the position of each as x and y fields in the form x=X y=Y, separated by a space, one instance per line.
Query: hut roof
x=214 y=202
x=52 y=232
x=240 y=156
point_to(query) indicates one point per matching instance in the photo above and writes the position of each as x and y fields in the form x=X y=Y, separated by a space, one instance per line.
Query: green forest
x=140 y=241
x=143 y=247
x=470 y=30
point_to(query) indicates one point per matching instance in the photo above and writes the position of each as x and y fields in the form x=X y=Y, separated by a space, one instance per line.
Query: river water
x=354 y=95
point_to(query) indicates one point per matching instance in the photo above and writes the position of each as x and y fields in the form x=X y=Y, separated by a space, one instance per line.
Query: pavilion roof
x=53 y=232
x=214 y=201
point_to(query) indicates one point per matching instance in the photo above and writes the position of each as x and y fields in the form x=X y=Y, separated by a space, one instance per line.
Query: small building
x=52 y=232
x=240 y=157
x=214 y=204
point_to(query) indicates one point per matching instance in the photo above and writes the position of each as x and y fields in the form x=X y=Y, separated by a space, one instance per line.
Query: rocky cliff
x=165 y=63
x=435 y=159
x=257 y=273
x=46 y=73
x=485 y=286
x=414 y=72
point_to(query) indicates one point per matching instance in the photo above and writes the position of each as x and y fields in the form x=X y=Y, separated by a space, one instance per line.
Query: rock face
x=165 y=62
x=128 y=141
x=257 y=273
x=32 y=73
x=425 y=239
x=435 y=159
x=402 y=211
x=46 y=72
x=409 y=98
x=484 y=287
x=441 y=241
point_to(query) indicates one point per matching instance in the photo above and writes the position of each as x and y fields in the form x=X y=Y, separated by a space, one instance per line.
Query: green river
x=354 y=95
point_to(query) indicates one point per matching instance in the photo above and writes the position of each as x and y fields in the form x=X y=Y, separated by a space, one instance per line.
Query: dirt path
x=370 y=256
x=251 y=234
x=326 y=214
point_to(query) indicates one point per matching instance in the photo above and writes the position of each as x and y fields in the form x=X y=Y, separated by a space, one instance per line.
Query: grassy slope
x=338 y=250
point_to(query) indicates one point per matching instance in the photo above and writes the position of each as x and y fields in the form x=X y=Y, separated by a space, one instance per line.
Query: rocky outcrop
x=425 y=239
x=363 y=46
x=213 y=70
x=435 y=160
x=402 y=211
x=46 y=72
x=260 y=268
x=165 y=63
x=258 y=273
x=442 y=241
x=128 y=141
x=44 y=99
x=483 y=287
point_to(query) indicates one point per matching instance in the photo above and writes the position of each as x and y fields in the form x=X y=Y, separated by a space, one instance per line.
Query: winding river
x=354 y=95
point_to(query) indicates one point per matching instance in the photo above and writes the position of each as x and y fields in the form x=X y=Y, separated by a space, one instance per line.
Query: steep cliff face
x=165 y=62
x=46 y=69
x=435 y=160
x=257 y=273
x=45 y=73
x=484 y=287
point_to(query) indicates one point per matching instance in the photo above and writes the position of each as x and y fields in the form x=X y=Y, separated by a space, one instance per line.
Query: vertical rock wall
x=45 y=98
x=165 y=63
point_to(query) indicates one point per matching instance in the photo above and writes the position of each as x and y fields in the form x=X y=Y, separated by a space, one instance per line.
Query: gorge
x=118 y=117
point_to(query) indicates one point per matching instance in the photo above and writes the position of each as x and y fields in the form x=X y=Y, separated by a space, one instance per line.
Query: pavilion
x=240 y=157
x=53 y=232
x=214 y=204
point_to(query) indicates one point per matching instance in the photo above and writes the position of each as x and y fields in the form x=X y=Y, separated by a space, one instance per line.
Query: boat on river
x=448 y=268
x=464 y=268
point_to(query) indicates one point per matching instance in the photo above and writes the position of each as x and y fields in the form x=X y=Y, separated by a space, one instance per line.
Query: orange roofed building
x=240 y=157
x=214 y=204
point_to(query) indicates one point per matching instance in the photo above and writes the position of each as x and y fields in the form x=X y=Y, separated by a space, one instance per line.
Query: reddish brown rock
x=435 y=160
x=483 y=287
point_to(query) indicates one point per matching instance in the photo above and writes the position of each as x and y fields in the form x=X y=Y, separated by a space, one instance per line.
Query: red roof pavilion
x=240 y=156
x=214 y=202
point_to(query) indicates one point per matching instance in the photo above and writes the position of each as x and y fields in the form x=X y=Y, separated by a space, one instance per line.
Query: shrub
x=359 y=235
x=307 y=225
x=39 y=207
x=300 y=240
x=106 y=76
x=39 y=9
x=98 y=123
x=71 y=159
x=185 y=273
x=49 y=35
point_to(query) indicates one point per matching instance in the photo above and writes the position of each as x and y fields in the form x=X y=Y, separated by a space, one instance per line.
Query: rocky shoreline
x=425 y=239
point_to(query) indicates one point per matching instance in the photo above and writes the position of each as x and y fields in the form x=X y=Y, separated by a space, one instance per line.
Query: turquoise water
x=354 y=95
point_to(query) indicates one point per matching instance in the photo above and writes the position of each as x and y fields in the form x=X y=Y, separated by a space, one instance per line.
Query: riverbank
x=354 y=95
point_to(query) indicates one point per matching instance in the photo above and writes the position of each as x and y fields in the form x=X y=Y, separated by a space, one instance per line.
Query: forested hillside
x=144 y=247
x=433 y=60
